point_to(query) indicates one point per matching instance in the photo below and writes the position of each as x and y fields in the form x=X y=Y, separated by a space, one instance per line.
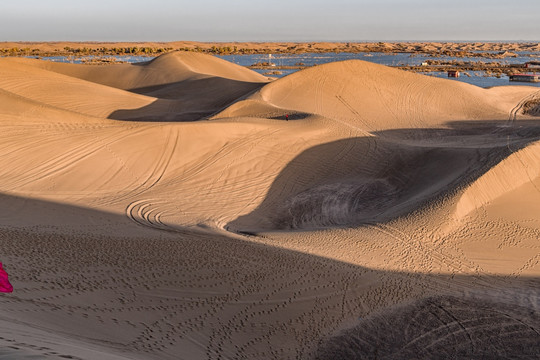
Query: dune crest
x=519 y=168
x=173 y=87
x=374 y=97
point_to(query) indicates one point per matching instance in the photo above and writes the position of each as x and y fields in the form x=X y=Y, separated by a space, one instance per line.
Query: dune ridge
x=176 y=86
x=170 y=210
x=379 y=98
x=520 y=168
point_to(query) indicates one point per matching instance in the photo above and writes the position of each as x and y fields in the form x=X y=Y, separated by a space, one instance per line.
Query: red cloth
x=5 y=286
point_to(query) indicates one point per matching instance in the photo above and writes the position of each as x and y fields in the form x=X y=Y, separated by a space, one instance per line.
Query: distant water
x=379 y=58
x=477 y=78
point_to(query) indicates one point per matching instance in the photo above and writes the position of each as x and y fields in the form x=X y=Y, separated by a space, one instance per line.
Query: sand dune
x=519 y=168
x=208 y=226
x=66 y=92
x=166 y=69
x=379 y=337
x=374 y=97
x=177 y=86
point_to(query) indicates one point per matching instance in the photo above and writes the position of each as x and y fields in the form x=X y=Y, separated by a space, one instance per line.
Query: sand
x=168 y=210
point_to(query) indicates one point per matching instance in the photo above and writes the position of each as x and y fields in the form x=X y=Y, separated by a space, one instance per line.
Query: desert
x=190 y=208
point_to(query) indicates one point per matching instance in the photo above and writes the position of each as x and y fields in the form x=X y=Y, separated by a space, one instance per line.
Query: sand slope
x=177 y=86
x=242 y=235
x=374 y=97
x=166 y=69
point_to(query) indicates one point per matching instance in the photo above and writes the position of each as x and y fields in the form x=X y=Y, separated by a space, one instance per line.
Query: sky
x=271 y=20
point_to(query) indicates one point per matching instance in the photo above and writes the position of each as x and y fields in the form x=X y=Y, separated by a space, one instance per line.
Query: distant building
x=453 y=73
x=525 y=77
x=533 y=65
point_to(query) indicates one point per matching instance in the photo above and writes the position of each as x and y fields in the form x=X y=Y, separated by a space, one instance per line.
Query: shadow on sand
x=343 y=183
x=375 y=179
x=187 y=100
x=498 y=318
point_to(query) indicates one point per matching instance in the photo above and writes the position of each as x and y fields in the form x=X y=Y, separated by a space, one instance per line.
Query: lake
x=478 y=78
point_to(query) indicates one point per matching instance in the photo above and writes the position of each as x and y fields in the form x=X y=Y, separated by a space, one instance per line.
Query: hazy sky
x=245 y=20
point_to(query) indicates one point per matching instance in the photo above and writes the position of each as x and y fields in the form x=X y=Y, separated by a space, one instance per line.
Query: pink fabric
x=5 y=286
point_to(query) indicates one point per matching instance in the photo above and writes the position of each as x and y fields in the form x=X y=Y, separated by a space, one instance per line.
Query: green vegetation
x=85 y=51
x=432 y=49
x=88 y=50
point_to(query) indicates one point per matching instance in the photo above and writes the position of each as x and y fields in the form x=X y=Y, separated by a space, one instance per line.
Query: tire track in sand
x=519 y=107
x=511 y=121
x=75 y=155
x=157 y=172
x=144 y=213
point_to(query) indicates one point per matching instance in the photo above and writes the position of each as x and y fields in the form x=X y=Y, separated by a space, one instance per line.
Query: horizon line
x=274 y=41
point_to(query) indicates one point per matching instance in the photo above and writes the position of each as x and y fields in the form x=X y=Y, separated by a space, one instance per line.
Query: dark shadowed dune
x=445 y=327
x=376 y=179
